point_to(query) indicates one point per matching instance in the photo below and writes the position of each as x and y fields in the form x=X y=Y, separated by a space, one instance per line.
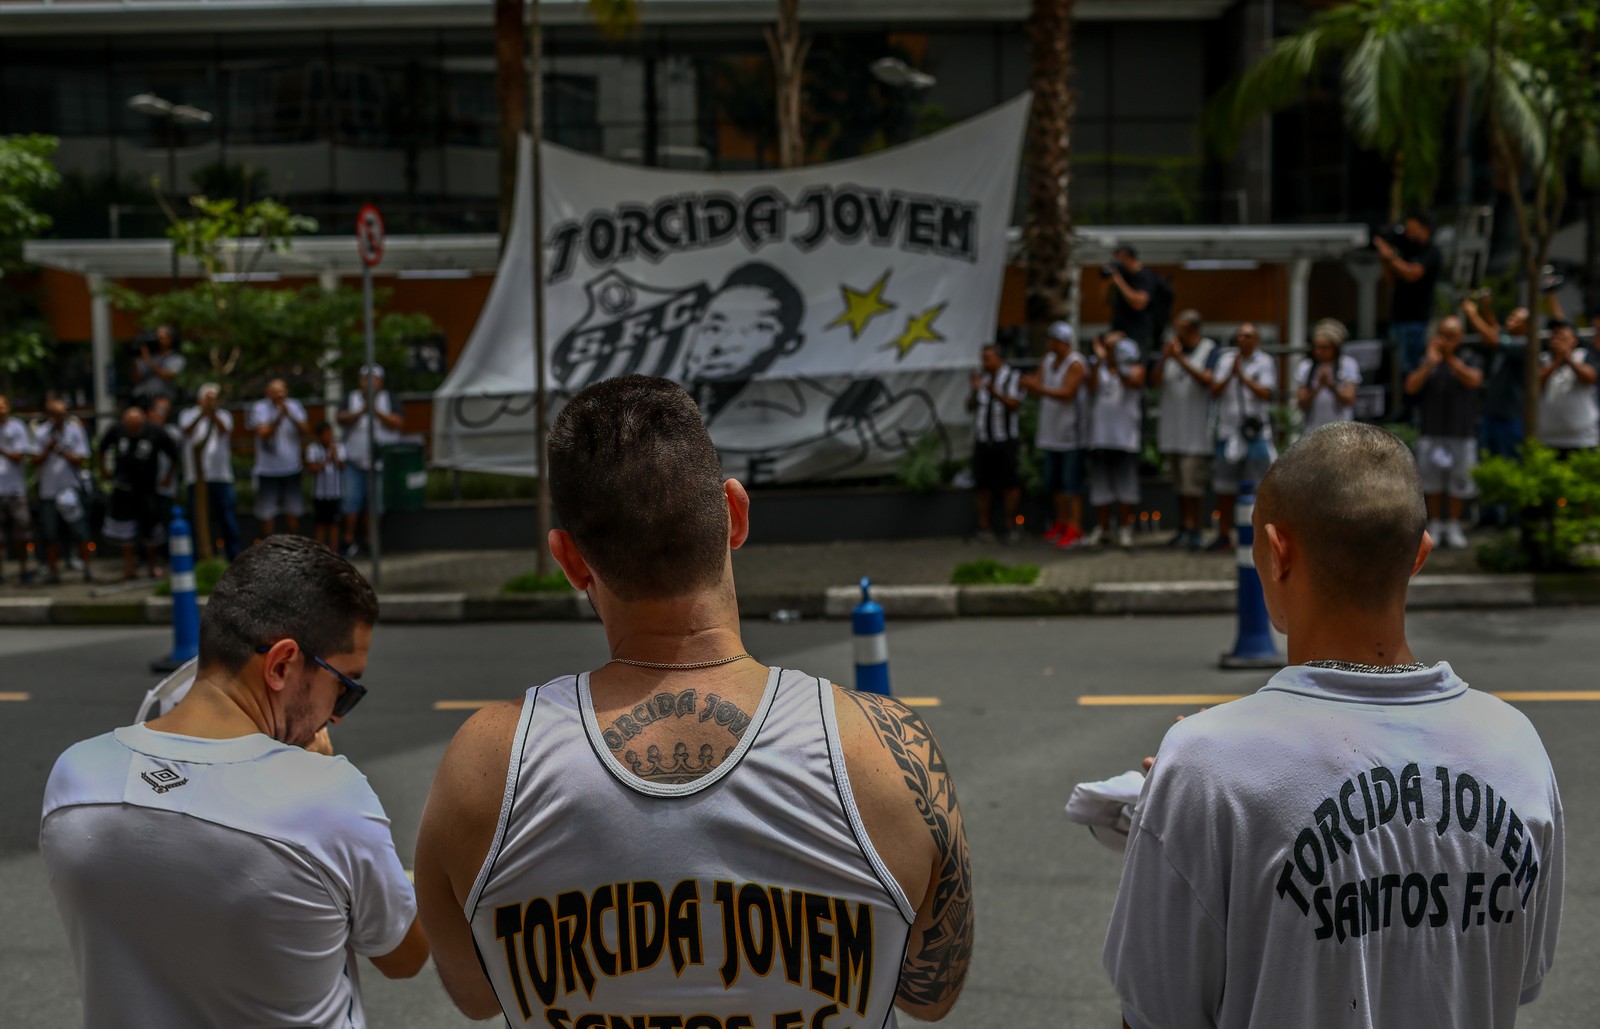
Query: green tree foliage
x=27 y=177
x=244 y=332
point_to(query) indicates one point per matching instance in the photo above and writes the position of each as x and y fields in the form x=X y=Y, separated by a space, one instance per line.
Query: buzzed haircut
x=284 y=587
x=636 y=482
x=1349 y=493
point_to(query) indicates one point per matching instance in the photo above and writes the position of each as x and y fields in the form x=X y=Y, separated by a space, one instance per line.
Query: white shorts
x=1445 y=466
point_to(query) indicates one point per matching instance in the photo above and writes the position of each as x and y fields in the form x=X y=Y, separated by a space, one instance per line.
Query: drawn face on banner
x=750 y=322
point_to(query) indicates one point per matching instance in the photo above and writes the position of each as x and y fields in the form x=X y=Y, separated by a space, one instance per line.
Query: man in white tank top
x=685 y=838
x=216 y=866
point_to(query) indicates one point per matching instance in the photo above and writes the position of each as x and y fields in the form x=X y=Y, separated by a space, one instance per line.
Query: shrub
x=533 y=582
x=206 y=574
x=986 y=571
x=1556 y=503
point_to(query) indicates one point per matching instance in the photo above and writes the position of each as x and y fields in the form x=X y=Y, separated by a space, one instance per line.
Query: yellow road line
x=1208 y=699
x=1156 y=699
x=473 y=705
x=15 y=696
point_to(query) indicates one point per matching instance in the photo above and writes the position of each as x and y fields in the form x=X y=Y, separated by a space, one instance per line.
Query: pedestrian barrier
x=872 y=644
x=1253 y=646
x=185 y=605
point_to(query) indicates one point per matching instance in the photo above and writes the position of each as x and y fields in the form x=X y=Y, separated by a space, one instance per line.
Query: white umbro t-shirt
x=219 y=882
x=1342 y=850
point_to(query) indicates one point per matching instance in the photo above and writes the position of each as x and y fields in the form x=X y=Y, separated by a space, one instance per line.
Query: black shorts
x=994 y=465
x=325 y=510
x=135 y=518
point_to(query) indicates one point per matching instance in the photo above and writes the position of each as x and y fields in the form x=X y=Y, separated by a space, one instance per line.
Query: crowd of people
x=1214 y=405
x=1366 y=841
x=54 y=477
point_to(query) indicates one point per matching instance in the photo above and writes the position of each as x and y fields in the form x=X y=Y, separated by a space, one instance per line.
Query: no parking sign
x=369 y=235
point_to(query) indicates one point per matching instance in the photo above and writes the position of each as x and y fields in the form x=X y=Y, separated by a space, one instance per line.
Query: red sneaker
x=1071 y=538
x=1056 y=531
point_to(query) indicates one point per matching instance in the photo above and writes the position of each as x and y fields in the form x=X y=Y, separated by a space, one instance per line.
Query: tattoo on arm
x=939 y=967
x=681 y=766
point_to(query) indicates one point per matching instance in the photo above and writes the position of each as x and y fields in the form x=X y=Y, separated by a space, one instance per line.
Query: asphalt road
x=1008 y=717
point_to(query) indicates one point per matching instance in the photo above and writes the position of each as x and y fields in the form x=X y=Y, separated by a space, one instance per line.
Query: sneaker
x=74 y=563
x=1056 y=531
x=1071 y=539
x=1454 y=537
x=1194 y=542
x=1125 y=537
x=352 y=550
x=1013 y=536
x=982 y=536
x=1096 y=538
x=1436 y=530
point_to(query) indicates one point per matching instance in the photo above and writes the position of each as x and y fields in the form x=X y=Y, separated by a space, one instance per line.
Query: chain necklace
x=669 y=667
x=1353 y=666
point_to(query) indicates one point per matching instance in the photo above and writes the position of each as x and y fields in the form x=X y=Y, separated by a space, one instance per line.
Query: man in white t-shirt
x=1183 y=376
x=1116 y=423
x=280 y=427
x=1569 y=405
x=16 y=527
x=1059 y=385
x=1243 y=385
x=386 y=429
x=1365 y=841
x=61 y=453
x=208 y=430
x=1327 y=380
x=209 y=868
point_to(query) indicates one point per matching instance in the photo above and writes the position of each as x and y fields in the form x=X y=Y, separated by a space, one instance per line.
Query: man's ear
x=1423 y=550
x=277 y=664
x=572 y=563
x=738 y=513
x=1278 y=551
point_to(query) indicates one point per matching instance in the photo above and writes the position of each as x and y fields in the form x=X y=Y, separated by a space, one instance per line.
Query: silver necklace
x=1353 y=666
x=669 y=667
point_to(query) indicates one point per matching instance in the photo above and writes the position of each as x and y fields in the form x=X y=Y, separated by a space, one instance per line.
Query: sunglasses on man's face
x=351 y=691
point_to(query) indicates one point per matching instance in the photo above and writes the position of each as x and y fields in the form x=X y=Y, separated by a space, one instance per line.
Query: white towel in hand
x=1106 y=807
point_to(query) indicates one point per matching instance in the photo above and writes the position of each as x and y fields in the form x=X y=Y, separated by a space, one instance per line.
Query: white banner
x=824 y=318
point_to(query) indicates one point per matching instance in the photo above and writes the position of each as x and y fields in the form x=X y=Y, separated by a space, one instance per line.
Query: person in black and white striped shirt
x=325 y=460
x=996 y=398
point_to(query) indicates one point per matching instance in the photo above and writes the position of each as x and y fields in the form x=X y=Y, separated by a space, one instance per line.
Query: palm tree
x=1048 y=235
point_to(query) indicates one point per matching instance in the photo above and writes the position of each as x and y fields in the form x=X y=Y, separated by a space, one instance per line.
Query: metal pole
x=372 y=429
x=540 y=412
x=172 y=185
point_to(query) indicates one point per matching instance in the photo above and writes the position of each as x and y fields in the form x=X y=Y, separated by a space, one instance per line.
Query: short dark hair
x=1350 y=494
x=317 y=428
x=636 y=482
x=1555 y=325
x=1125 y=249
x=1422 y=218
x=284 y=587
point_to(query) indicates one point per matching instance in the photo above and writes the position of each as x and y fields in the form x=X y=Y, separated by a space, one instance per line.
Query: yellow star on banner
x=860 y=308
x=919 y=330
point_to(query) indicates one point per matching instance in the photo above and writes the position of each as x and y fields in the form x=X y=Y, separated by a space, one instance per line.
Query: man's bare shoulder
x=473 y=771
x=897 y=774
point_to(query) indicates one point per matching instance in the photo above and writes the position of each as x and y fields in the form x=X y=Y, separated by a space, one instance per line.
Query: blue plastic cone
x=872 y=644
x=185 y=605
x=1254 y=646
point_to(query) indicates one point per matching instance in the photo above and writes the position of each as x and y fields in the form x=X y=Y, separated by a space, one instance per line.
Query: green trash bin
x=404 y=477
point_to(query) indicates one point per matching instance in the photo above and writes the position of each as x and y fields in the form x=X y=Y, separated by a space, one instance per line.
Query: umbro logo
x=163 y=780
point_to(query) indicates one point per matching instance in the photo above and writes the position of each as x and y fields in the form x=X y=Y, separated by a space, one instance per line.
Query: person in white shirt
x=280 y=427
x=1183 y=376
x=210 y=868
x=325 y=460
x=1116 y=383
x=61 y=454
x=1328 y=379
x=167 y=482
x=16 y=527
x=1569 y=405
x=994 y=402
x=208 y=431
x=1365 y=841
x=1243 y=385
x=1063 y=409
x=359 y=458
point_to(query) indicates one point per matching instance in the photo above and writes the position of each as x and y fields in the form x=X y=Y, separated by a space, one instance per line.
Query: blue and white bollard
x=1254 y=647
x=872 y=644
x=185 y=606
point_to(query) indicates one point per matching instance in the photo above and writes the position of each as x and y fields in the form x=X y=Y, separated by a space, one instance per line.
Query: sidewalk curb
x=1428 y=593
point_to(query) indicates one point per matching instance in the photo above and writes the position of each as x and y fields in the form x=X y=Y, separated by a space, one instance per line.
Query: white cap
x=372 y=369
x=1061 y=331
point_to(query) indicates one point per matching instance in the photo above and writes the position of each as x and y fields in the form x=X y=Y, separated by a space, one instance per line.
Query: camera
x=1250 y=428
x=1108 y=269
x=1394 y=235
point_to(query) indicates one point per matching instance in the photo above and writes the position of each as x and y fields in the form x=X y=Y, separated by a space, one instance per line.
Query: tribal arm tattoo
x=933 y=975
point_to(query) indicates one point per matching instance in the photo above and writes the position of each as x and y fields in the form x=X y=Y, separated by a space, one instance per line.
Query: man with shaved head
x=279 y=424
x=1365 y=841
x=1445 y=386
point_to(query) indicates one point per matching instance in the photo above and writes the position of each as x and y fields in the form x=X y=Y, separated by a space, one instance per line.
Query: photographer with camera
x=155 y=372
x=1328 y=379
x=1243 y=385
x=1505 y=349
x=1411 y=262
x=1131 y=293
x=1446 y=386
